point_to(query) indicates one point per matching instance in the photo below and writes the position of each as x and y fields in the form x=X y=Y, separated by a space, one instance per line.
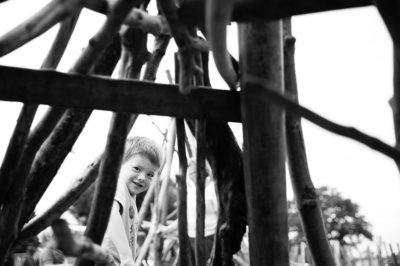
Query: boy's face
x=137 y=173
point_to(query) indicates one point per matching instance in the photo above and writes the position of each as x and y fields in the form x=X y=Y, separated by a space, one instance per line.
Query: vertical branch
x=225 y=157
x=303 y=187
x=261 y=55
x=134 y=52
x=389 y=11
x=200 y=192
x=161 y=43
x=182 y=195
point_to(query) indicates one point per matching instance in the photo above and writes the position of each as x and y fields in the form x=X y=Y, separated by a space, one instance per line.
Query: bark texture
x=261 y=55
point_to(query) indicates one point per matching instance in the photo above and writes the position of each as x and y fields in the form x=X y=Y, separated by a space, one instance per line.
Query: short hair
x=143 y=146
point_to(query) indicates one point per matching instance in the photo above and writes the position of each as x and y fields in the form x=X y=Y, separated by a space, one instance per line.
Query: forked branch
x=187 y=50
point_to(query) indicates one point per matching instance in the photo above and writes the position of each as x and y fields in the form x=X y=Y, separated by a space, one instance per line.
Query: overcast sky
x=344 y=71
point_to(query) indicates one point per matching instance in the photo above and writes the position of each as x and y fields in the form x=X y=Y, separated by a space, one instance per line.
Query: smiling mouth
x=138 y=184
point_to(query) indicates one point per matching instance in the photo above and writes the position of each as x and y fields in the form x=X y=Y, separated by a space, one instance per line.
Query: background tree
x=343 y=222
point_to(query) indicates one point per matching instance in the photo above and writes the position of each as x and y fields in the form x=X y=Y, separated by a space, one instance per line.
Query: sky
x=344 y=73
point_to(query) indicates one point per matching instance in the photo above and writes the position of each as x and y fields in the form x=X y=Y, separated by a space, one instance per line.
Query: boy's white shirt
x=117 y=234
x=116 y=231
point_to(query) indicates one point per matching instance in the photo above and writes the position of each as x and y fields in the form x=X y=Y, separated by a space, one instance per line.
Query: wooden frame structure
x=255 y=177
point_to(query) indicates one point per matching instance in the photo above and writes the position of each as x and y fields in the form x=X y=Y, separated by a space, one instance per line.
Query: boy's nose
x=141 y=177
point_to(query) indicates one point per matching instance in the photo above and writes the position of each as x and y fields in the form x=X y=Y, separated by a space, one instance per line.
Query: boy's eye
x=136 y=169
x=150 y=175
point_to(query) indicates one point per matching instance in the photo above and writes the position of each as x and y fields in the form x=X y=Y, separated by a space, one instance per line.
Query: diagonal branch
x=47 y=17
x=298 y=110
x=41 y=222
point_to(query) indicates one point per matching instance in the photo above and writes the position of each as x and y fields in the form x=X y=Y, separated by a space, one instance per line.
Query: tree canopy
x=343 y=222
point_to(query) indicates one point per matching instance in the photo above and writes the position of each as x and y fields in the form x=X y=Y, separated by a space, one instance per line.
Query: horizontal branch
x=95 y=92
x=192 y=12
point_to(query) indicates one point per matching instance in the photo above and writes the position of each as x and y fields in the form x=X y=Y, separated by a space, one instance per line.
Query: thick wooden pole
x=261 y=56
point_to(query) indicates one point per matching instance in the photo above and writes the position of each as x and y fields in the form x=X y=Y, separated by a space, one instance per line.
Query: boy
x=140 y=163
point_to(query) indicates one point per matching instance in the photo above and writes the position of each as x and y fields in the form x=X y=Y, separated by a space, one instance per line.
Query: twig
x=82 y=248
x=296 y=109
x=164 y=134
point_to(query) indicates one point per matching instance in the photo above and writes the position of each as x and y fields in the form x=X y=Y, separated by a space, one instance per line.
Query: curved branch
x=218 y=16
